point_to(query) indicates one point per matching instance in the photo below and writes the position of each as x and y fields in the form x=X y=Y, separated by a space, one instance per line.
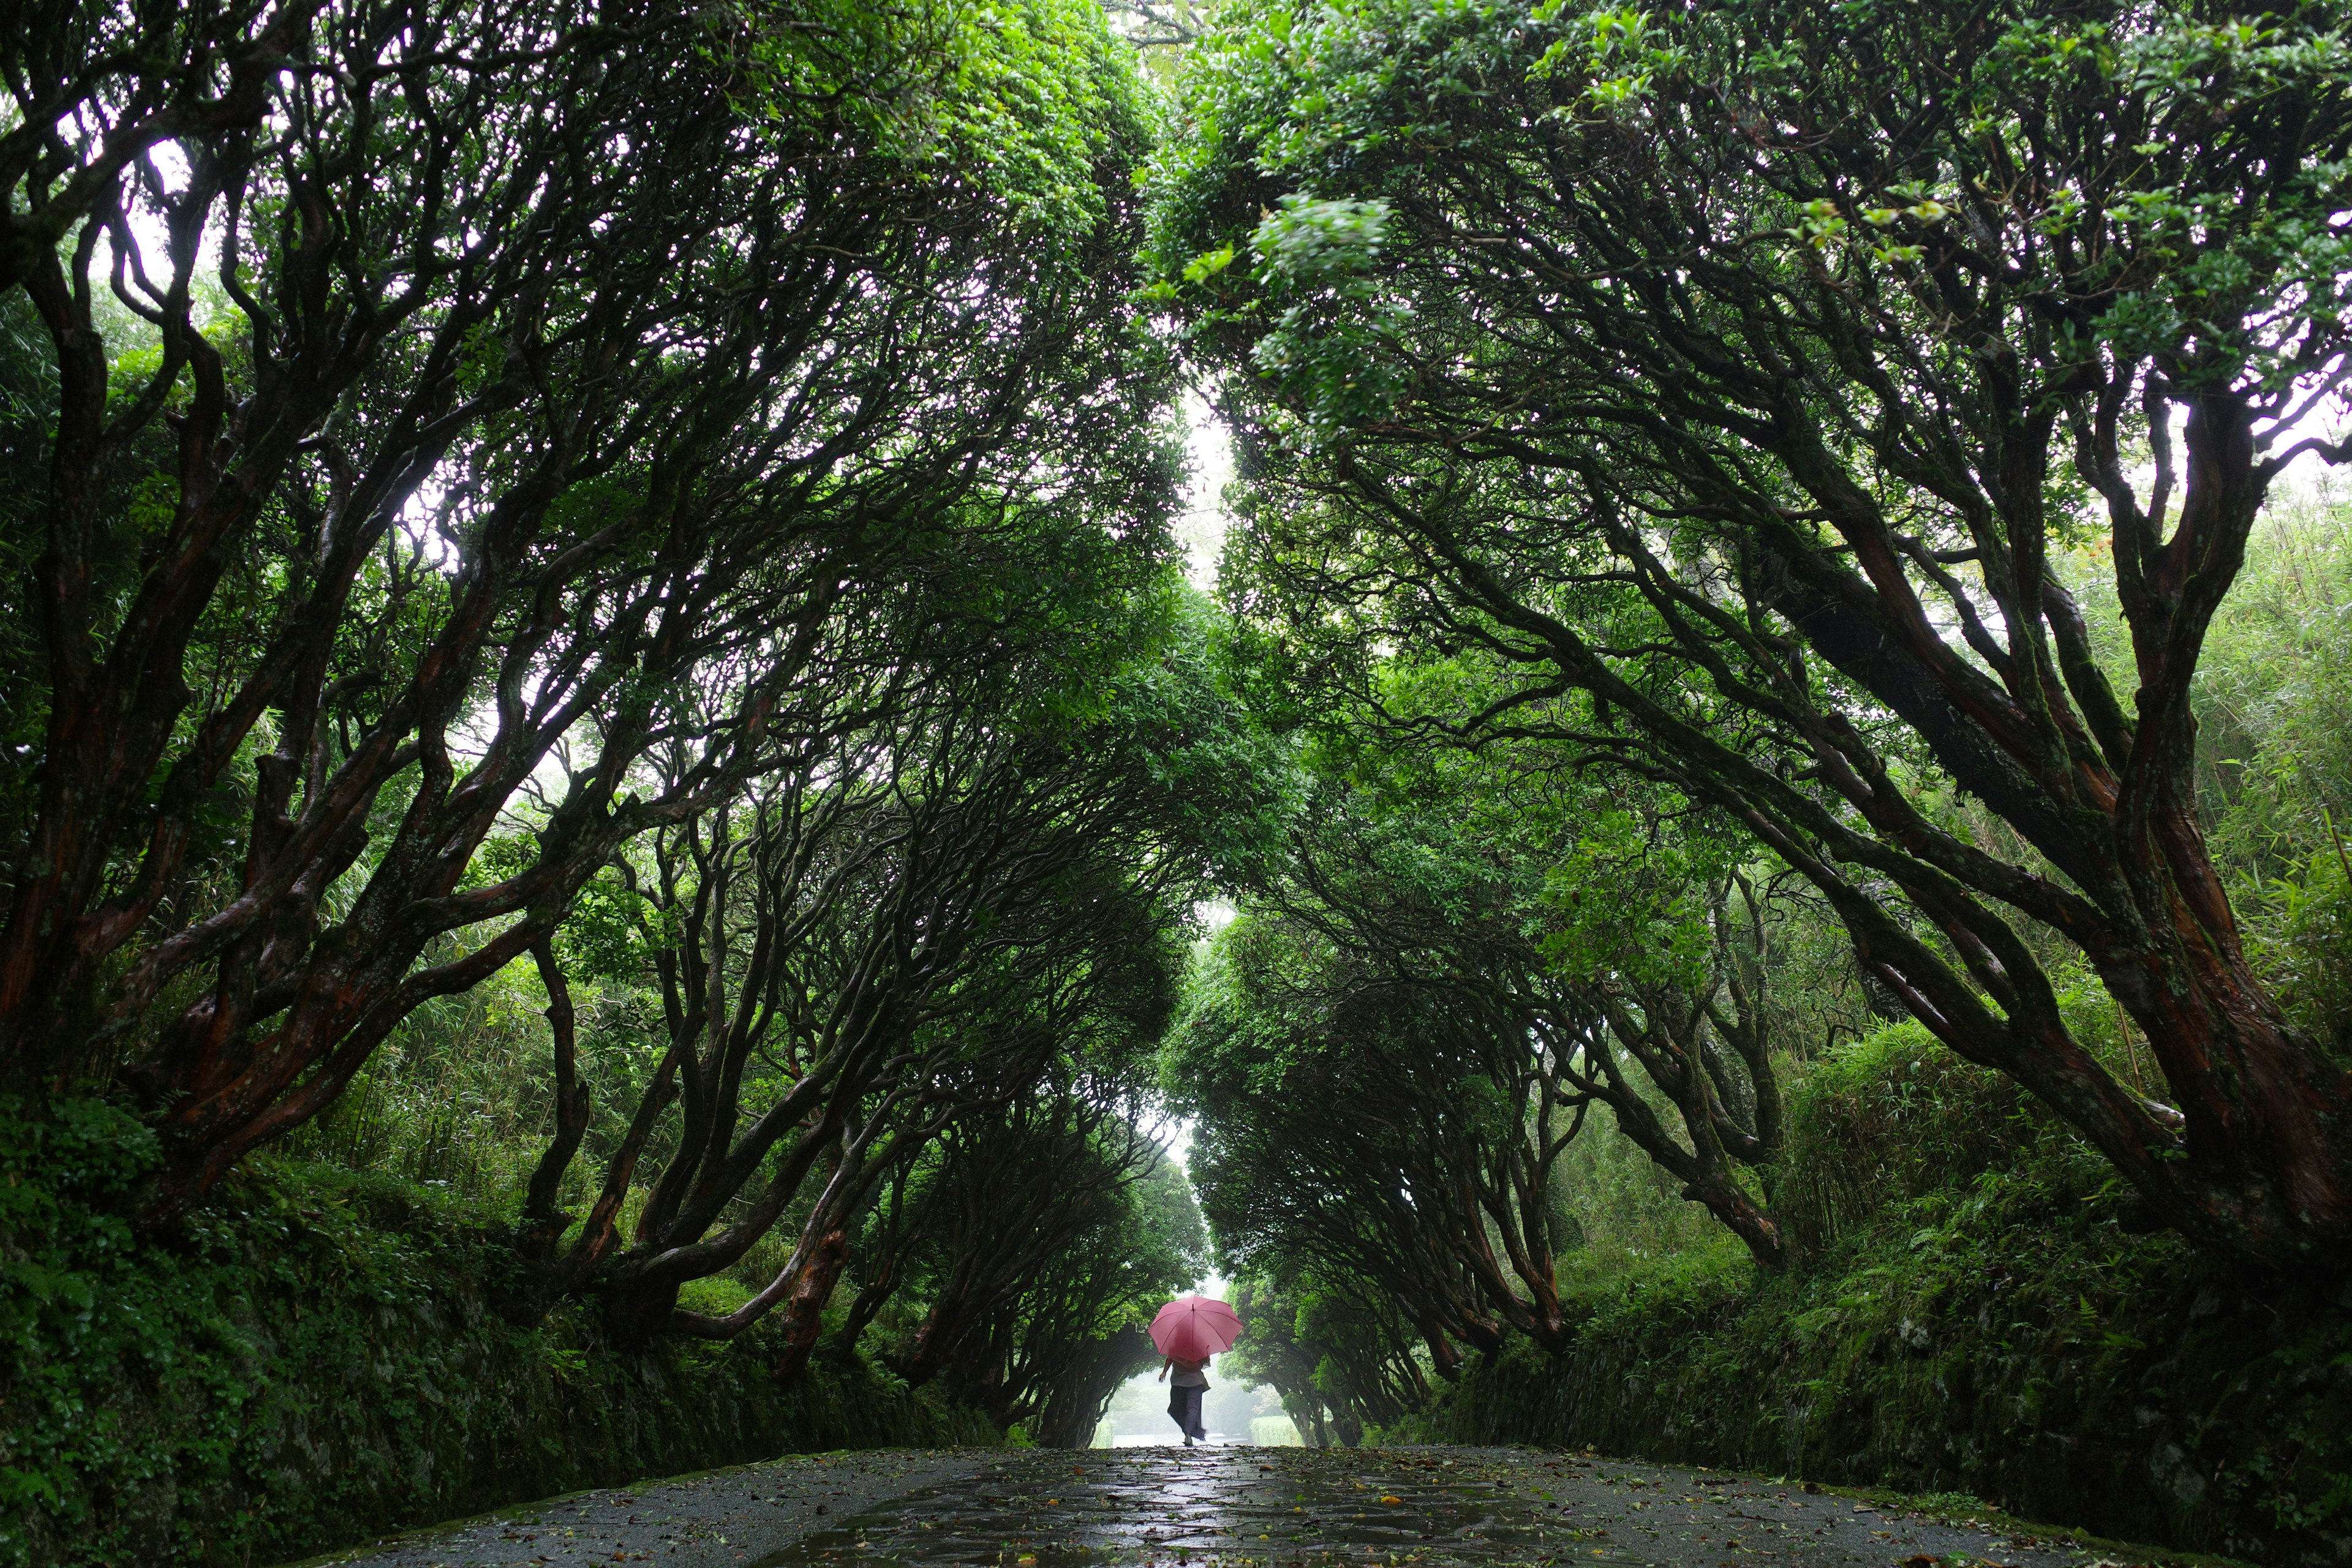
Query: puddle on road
x=1269 y=1507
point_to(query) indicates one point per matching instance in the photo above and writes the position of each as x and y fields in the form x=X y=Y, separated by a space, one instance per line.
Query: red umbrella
x=1194 y=1328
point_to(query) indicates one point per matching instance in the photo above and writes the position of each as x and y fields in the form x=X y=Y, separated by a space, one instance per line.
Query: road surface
x=1224 y=1508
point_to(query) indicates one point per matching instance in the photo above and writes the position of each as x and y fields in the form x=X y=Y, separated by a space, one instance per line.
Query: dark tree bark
x=1353 y=1165
x=541 y=448
x=543 y=1224
x=1336 y=1351
x=900 y=935
x=1743 y=421
x=1081 y=1395
x=98 y=86
x=1017 y=1187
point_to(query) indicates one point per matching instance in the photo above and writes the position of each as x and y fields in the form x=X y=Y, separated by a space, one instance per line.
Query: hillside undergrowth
x=1980 y=1310
x=313 y=1358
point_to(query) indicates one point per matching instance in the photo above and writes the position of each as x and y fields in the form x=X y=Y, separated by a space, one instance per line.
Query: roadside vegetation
x=615 y=725
x=633 y=691
x=1798 y=551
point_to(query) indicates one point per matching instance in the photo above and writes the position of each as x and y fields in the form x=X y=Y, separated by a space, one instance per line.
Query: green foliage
x=457 y=1100
x=1044 y=97
x=1164 y=1240
x=2275 y=762
x=138 y=1374
x=1976 y=1317
x=2304 y=940
x=1620 y=1214
x=1025 y=99
x=311 y=1360
x=1419 y=826
x=1335 y=1352
x=872 y=439
x=2274 y=754
x=1596 y=399
x=1340 y=108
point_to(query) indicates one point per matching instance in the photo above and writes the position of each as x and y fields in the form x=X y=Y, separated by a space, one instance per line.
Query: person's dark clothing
x=1184 y=1408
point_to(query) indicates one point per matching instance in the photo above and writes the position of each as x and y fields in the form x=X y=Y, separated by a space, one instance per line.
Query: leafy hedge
x=1979 y=1321
x=311 y=1360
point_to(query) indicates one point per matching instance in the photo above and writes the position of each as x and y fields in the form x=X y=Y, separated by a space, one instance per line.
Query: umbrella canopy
x=1194 y=1328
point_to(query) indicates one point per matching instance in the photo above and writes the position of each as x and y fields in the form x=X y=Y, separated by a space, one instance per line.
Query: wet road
x=1224 y=1508
x=1277 y=1507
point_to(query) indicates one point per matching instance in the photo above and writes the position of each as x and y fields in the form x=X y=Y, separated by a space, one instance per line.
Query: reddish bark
x=540 y=527
x=803 y=1309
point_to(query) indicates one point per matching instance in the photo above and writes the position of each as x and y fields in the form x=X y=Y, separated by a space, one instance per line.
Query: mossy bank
x=312 y=1360
x=1977 y=1317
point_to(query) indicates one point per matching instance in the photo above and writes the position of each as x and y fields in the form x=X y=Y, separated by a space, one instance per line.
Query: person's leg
x=1176 y=1411
x=1192 y=1427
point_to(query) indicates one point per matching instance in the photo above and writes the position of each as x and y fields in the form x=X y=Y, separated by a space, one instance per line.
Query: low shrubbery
x=314 y=1357
x=1978 y=1310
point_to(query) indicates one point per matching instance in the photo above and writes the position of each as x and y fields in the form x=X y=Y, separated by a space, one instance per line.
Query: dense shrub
x=1976 y=1313
x=312 y=1358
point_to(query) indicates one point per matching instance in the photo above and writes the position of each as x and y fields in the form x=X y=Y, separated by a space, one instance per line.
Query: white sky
x=1201 y=527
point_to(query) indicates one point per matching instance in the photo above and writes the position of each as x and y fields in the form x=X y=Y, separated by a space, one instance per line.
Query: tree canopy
x=1725 y=382
x=591 y=616
x=722 y=575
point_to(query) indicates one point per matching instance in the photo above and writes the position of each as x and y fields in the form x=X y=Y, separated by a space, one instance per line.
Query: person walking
x=1184 y=1394
x=1188 y=1331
